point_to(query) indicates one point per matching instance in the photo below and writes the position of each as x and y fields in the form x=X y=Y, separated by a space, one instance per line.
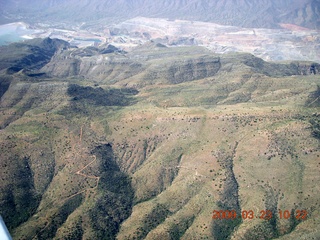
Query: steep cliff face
x=150 y=64
x=184 y=71
x=116 y=67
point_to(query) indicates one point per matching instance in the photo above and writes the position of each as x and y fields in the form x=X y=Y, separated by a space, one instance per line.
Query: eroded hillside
x=147 y=144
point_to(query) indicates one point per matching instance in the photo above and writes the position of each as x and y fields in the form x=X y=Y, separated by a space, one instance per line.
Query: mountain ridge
x=244 y=13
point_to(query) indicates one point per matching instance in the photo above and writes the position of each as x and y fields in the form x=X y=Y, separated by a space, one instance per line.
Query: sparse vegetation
x=314 y=98
x=59 y=218
x=19 y=199
x=137 y=158
x=99 y=96
x=116 y=196
x=315 y=127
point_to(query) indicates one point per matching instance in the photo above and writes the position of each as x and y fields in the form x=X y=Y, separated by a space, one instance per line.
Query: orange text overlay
x=263 y=214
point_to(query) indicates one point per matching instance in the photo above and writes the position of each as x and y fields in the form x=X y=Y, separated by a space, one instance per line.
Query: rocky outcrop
x=185 y=70
x=114 y=68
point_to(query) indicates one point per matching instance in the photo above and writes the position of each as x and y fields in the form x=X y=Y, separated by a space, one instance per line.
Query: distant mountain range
x=244 y=13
